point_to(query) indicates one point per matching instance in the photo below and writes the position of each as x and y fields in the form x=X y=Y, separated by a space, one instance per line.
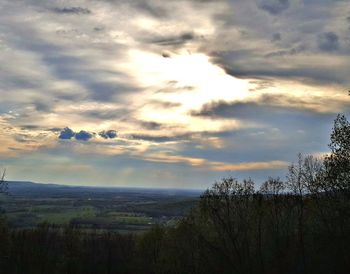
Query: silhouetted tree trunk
x=297 y=186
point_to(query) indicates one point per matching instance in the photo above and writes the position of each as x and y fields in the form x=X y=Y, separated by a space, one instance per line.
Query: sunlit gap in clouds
x=188 y=80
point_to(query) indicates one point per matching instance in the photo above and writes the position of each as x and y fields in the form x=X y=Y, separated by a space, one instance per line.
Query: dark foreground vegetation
x=299 y=225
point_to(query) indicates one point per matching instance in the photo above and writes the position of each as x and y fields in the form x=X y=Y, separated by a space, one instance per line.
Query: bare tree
x=312 y=174
x=272 y=189
x=296 y=184
x=3 y=183
x=226 y=207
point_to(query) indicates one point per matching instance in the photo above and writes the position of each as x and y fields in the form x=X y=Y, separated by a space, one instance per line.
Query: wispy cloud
x=249 y=166
x=216 y=166
x=72 y=10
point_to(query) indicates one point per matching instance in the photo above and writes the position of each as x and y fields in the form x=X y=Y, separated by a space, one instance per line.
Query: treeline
x=297 y=225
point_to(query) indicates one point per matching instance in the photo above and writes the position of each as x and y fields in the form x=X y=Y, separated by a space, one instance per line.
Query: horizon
x=168 y=94
x=108 y=186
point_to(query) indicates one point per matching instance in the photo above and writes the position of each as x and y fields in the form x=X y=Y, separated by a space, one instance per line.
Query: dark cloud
x=328 y=41
x=151 y=9
x=66 y=134
x=173 y=40
x=105 y=114
x=171 y=88
x=15 y=149
x=269 y=105
x=105 y=91
x=166 y=55
x=108 y=134
x=151 y=125
x=160 y=138
x=236 y=63
x=11 y=81
x=55 y=129
x=226 y=109
x=72 y=10
x=318 y=75
x=29 y=127
x=168 y=104
x=98 y=28
x=276 y=121
x=65 y=66
x=42 y=106
x=152 y=138
x=276 y=37
x=273 y=7
x=292 y=51
x=261 y=84
x=68 y=32
x=164 y=104
x=208 y=1
x=69 y=97
x=83 y=135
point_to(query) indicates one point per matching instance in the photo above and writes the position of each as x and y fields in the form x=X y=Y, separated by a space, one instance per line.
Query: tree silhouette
x=337 y=164
x=3 y=183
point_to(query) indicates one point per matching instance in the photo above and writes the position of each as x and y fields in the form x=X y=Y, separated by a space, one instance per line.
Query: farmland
x=115 y=209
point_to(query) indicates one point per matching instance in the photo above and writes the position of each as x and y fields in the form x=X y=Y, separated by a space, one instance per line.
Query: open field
x=116 y=209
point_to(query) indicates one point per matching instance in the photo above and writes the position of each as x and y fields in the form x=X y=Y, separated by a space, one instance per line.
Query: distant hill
x=23 y=188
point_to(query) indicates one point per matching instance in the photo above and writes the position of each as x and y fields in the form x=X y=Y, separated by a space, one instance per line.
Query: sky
x=168 y=93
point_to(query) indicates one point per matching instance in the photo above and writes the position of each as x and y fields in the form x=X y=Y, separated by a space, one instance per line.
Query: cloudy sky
x=168 y=93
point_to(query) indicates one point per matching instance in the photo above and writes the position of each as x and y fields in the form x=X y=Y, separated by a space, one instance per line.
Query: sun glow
x=195 y=79
x=189 y=80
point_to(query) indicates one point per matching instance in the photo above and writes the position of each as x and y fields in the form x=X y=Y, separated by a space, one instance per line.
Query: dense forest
x=300 y=224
